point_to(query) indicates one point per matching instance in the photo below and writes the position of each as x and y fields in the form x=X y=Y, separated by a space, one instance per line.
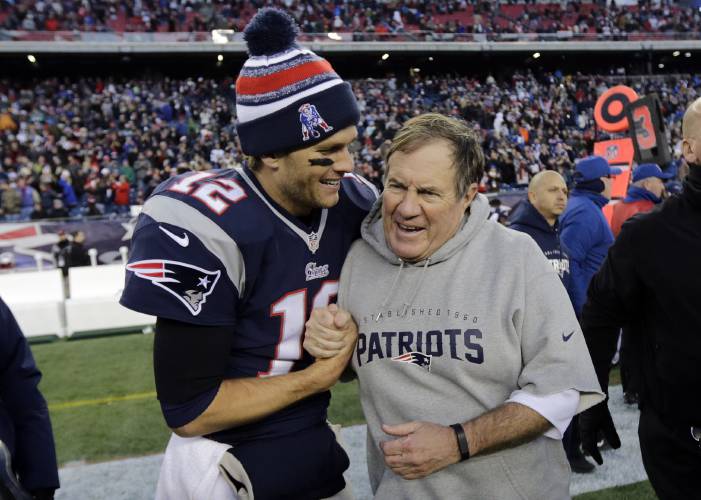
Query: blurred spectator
x=121 y=194
x=68 y=193
x=10 y=201
x=47 y=195
x=646 y=190
x=91 y=209
x=38 y=212
x=57 y=210
x=25 y=426
x=77 y=253
x=498 y=211
x=60 y=251
x=28 y=198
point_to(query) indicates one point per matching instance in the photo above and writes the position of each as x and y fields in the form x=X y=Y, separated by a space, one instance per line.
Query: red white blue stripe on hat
x=268 y=84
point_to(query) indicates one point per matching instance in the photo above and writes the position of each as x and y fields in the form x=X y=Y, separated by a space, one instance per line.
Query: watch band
x=462 y=441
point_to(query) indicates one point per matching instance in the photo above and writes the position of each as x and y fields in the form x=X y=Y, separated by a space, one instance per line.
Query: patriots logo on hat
x=310 y=119
x=415 y=358
x=190 y=284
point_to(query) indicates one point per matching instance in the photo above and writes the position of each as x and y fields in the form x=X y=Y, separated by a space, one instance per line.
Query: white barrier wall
x=94 y=303
x=36 y=300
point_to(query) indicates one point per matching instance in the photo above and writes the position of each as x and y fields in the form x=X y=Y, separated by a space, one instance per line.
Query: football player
x=232 y=262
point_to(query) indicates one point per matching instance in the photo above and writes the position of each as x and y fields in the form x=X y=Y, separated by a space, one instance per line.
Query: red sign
x=610 y=108
x=617 y=151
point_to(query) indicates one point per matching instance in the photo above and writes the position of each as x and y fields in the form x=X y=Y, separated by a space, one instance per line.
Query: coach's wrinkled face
x=421 y=209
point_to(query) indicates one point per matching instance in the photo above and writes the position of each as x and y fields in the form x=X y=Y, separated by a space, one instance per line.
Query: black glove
x=597 y=419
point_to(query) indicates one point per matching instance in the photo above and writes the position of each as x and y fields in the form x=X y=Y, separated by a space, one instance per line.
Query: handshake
x=330 y=336
x=329 y=331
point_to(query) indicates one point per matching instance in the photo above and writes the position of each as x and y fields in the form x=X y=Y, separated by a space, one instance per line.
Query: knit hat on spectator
x=287 y=97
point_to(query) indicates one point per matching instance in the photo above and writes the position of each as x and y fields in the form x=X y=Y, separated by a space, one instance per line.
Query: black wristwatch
x=462 y=441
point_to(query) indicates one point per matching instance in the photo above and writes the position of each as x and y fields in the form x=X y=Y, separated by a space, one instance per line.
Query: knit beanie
x=287 y=97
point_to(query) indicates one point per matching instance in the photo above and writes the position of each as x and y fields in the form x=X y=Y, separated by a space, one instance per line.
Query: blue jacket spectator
x=528 y=220
x=69 y=197
x=25 y=427
x=586 y=234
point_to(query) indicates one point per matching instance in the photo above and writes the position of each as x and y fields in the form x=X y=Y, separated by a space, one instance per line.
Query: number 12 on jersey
x=292 y=309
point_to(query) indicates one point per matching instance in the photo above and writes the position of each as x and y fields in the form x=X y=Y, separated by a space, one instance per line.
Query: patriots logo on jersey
x=189 y=284
x=415 y=358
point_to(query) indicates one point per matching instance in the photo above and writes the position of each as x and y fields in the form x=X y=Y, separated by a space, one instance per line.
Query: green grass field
x=102 y=402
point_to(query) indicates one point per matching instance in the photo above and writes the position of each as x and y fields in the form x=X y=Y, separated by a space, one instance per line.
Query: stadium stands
x=370 y=19
x=80 y=139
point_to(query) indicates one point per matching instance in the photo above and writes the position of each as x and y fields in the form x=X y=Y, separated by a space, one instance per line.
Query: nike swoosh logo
x=567 y=337
x=183 y=240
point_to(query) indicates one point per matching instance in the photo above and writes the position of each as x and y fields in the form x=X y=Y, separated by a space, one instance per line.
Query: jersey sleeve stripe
x=172 y=211
x=364 y=181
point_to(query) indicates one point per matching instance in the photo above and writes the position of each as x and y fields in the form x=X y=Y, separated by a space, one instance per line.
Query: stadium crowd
x=88 y=146
x=358 y=16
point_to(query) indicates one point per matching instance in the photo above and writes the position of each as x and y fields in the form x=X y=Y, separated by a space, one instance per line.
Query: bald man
x=539 y=218
x=652 y=278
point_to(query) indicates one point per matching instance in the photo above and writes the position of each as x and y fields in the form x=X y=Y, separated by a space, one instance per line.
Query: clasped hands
x=419 y=448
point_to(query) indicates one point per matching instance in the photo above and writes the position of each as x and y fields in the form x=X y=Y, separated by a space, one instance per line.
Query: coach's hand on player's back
x=328 y=331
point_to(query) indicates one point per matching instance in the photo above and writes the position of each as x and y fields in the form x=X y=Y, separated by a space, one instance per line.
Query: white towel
x=191 y=471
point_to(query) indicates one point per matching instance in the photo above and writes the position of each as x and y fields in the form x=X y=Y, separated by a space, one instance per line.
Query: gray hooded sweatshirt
x=450 y=338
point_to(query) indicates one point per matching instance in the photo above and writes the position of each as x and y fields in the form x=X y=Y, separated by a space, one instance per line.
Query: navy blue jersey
x=212 y=248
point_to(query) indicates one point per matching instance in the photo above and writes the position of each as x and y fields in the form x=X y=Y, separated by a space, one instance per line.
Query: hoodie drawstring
x=391 y=289
x=416 y=288
x=394 y=284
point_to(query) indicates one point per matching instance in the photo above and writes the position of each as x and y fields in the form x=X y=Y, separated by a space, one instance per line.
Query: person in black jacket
x=651 y=279
x=538 y=217
x=77 y=253
x=25 y=427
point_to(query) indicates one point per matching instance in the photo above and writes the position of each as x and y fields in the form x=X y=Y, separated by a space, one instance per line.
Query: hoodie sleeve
x=555 y=355
x=345 y=279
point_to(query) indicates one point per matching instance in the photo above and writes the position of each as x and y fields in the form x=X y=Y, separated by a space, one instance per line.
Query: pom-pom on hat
x=287 y=97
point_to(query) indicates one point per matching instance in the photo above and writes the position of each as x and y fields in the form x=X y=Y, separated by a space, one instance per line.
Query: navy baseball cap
x=649 y=170
x=592 y=168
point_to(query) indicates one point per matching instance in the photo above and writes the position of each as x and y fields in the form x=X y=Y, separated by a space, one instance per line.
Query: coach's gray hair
x=468 y=158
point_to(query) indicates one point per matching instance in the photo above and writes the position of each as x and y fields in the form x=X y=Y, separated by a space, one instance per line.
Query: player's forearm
x=240 y=401
x=508 y=425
